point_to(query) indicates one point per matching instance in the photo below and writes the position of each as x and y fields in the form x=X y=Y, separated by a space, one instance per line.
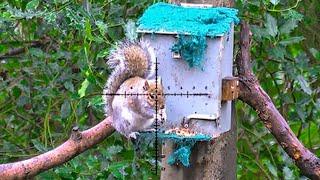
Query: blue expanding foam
x=192 y=49
x=183 y=152
x=163 y=17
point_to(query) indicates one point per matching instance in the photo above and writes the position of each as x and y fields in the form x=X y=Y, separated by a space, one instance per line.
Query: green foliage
x=51 y=87
x=57 y=84
x=288 y=70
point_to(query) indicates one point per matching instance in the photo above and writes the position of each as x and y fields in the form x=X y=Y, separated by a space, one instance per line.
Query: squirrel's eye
x=152 y=95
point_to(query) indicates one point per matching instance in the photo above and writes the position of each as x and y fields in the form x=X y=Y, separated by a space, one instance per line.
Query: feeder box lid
x=164 y=18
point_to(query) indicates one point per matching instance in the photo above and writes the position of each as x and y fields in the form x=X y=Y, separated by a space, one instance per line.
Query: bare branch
x=76 y=144
x=20 y=50
x=252 y=94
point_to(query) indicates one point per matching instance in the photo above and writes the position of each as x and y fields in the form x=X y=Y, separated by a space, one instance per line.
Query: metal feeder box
x=186 y=104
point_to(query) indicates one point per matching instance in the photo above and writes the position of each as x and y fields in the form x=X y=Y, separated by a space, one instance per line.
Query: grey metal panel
x=227 y=62
x=178 y=77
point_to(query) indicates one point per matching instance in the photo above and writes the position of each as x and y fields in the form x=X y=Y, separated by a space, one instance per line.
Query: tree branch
x=30 y=44
x=76 y=144
x=252 y=94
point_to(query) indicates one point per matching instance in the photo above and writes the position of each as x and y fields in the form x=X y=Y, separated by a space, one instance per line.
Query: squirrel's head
x=155 y=94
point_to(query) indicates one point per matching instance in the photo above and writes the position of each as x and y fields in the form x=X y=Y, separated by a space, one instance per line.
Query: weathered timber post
x=209 y=160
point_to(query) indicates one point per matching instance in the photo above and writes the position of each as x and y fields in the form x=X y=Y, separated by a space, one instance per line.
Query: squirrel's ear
x=146 y=85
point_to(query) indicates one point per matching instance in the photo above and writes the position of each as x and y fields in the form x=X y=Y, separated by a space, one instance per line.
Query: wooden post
x=209 y=160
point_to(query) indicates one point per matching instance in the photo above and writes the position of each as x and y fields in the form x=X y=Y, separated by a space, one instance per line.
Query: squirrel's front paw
x=134 y=135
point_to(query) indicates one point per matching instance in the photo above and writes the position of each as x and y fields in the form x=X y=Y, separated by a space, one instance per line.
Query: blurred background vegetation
x=52 y=72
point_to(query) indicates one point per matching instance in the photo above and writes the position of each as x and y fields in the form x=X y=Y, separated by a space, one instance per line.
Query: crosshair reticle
x=156 y=124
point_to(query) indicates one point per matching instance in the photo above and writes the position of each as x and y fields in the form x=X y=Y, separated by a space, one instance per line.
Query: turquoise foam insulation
x=185 y=143
x=191 y=48
x=163 y=17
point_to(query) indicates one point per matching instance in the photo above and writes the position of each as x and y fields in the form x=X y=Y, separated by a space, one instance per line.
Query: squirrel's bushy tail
x=128 y=59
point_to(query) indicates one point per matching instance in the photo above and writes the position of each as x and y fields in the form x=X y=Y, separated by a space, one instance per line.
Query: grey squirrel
x=133 y=64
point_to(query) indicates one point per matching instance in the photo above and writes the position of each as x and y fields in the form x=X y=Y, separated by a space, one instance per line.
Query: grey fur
x=121 y=72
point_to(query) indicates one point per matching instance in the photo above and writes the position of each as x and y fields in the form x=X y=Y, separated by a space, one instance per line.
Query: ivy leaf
x=271 y=168
x=113 y=150
x=88 y=30
x=38 y=145
x=37 y=52
x=259 y=32
x=96 y=101
x=50 y=18
x=103 y=27
x=84 y=86
x=254 y=3
x=16 y=92
x=304 y=84
x=3 y=96
x=131 y=30
x=29 y=14
x=274 y=2
x=69 y=86
x=287 y=173
x=300 y=112
x=277 y=52
x=118 y=169
x=291 y=40
x=271 y=25
x=92 y=162
x=32 y=5
x=103 y=53
x=65 y=109
x=22 y=100
x=292 y=14
x=288 y=26
x=315 y=53
x=317 y=103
